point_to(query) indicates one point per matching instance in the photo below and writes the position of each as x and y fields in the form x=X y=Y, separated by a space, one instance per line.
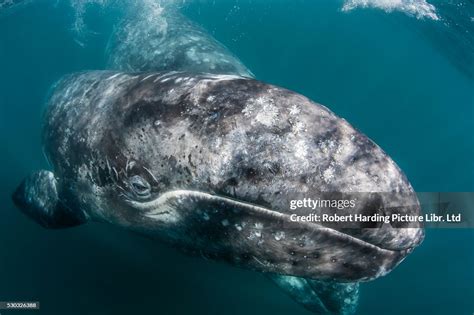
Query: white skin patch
x=328 y=174
x=211 y=98
x=301 y=149
x=294 y=282
x=298 y=127
x=294 y=110
x=280 y=235
x=261 y=110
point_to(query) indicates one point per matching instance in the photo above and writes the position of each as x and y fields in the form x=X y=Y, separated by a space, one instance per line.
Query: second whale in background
x=152 y=38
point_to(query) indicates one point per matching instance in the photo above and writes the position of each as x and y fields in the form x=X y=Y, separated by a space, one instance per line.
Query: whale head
x=213 y=163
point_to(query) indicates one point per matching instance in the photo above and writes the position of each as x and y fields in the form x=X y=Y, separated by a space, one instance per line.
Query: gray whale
x=155 y=39
x=210 y=162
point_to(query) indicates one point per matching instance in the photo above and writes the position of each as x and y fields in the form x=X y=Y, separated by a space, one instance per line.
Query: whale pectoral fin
x=339 y=298
x=320 y=297
x=300 y=291
x=37 y=197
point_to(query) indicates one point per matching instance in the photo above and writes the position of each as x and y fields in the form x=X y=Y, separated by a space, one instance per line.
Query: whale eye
x=140 y=186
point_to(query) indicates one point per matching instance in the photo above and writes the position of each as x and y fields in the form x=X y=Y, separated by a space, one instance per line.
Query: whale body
x=209 y=163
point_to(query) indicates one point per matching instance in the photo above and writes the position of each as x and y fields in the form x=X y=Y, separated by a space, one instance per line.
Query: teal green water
x=405 y=82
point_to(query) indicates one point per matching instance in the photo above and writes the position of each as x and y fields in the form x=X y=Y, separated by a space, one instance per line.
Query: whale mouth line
x=166 y=202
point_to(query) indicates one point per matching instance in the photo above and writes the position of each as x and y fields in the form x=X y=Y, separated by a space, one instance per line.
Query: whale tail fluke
x=319 y=296
x=37 y=197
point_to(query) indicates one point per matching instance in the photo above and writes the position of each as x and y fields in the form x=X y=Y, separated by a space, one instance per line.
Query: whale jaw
x=258 y=238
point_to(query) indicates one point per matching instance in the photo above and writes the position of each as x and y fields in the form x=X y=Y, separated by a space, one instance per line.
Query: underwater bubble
x=417 y=8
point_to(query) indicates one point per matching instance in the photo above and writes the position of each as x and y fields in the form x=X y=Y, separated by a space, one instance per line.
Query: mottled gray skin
x=38 y=197
x=164 y=40
x=321 y=297
x=209 y=163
